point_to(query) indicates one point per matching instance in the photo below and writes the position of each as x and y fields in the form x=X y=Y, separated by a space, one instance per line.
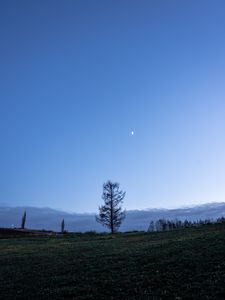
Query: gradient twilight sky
x=76 y=77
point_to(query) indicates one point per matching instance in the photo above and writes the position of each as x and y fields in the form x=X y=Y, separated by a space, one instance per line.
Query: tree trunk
x=111 y=213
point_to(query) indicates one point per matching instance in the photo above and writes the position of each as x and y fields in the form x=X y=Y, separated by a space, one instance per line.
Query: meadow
x=179 y=264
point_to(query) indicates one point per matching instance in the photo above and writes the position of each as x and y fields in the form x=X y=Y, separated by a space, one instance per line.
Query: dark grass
x=180 y=264
x=7 y=233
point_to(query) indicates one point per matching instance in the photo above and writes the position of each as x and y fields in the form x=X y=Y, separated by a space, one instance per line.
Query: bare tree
x=23 y=221
x=151 y=227
x=62 y=226
x=111 y=214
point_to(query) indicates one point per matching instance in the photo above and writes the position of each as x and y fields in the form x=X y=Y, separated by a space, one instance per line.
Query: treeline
x=165 y=225
x=158 y=225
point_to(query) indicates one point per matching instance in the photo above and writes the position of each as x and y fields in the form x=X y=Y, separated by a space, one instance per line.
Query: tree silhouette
x=62 y=226
x=23 y=221
x=111 y=214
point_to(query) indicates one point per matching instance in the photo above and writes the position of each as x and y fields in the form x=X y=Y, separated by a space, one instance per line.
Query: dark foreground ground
x=180 y=264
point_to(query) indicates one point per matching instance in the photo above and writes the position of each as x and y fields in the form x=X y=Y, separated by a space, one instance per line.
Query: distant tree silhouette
x=111 y=214
x=62 y=226
x=23 y=221
x=151 y=226
x=163 y=224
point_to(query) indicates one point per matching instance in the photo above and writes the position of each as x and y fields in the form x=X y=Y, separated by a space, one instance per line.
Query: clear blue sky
x=76 y=77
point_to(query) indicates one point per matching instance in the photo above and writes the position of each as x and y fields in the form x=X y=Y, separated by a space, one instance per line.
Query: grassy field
x=180 y=264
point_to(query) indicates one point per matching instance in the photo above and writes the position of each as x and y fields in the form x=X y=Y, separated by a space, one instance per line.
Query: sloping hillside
x=180 y=264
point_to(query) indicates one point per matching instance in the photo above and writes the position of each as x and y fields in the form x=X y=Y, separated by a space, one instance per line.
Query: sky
x=77 y=77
